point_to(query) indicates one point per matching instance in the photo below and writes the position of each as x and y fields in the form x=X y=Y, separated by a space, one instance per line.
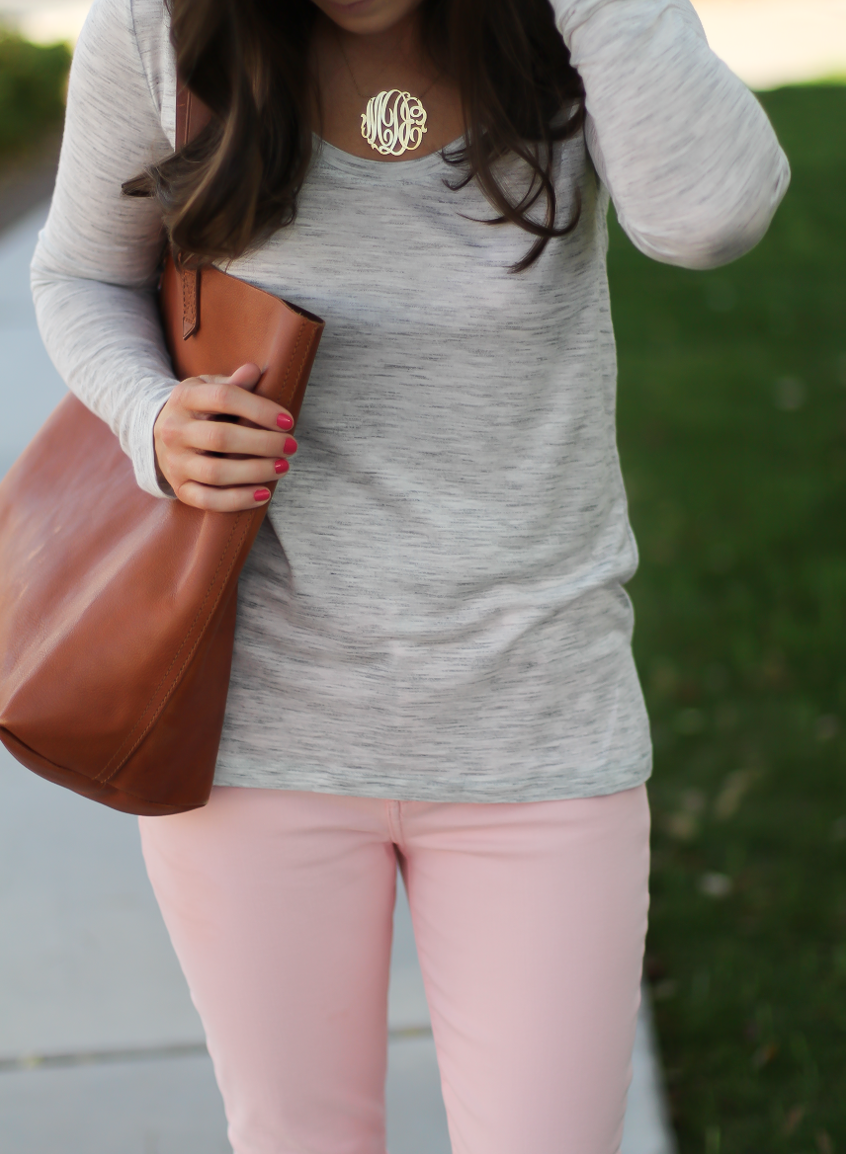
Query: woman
x=433 y=667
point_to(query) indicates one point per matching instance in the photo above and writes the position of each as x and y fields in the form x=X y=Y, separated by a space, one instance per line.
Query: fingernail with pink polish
x=281 y=466
x=261 y=495
x=285 y=422
x=290 y=446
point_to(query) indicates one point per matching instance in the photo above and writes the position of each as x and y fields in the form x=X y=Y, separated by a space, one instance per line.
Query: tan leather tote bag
x=117 y=609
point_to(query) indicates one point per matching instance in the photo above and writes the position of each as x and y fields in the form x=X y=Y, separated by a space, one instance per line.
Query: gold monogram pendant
x=394 y=122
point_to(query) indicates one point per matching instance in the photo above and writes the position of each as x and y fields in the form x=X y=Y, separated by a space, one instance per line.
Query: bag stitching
x=115 y=791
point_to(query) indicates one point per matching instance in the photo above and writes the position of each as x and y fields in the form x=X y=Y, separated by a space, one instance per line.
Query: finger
x=219 y=437
x=246 y=377
x=232 y=500
x=225 y=472
x=222 y=397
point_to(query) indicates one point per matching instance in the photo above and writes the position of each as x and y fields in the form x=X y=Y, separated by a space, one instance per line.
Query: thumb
x=246 y=376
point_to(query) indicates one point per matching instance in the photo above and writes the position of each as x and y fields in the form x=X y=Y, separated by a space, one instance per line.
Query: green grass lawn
x=732 y=425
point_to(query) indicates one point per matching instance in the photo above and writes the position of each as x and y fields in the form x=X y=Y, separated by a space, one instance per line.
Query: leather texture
x=117 y=609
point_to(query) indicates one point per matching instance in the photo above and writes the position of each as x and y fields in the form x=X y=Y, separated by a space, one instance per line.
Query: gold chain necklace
x=394 y=121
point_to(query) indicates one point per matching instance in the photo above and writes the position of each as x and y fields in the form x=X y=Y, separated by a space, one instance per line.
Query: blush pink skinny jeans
x=530 y=921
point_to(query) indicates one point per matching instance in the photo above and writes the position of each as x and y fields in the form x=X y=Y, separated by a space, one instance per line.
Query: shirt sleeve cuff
x=142 y=448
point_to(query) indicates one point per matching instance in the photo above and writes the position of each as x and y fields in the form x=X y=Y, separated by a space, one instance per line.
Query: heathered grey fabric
x=447 y=619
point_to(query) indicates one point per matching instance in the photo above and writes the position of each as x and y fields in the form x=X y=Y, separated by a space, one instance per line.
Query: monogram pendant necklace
x=394 y=121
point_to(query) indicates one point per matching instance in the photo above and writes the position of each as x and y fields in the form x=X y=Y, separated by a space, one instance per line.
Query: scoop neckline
x=396 y=170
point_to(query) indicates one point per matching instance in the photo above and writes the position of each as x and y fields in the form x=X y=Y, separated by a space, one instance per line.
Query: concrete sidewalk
x=101 y=1051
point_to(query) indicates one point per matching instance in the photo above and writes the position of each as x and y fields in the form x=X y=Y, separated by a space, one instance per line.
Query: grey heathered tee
x=445 y=617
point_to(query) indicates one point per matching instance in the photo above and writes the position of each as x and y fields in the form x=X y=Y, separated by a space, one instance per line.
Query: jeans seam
x=393 y=811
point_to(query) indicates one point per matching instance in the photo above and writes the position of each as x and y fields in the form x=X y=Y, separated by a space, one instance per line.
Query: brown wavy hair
x=238 y=181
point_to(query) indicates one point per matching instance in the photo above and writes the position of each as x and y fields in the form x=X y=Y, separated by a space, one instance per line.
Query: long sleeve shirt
x=435 y=608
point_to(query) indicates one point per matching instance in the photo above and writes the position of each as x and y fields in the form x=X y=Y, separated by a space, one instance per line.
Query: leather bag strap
x=192 y=116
